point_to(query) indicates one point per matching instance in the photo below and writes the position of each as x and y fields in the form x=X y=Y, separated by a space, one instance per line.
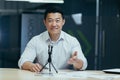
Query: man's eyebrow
x=55 y=18
x=49 y=18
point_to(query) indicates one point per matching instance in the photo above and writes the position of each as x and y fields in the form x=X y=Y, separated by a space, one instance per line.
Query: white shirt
x=63 y=48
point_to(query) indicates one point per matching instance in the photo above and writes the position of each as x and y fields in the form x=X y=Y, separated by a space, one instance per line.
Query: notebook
x=115 y=70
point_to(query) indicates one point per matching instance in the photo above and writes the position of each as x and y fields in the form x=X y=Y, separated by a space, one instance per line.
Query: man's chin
x=54 y=31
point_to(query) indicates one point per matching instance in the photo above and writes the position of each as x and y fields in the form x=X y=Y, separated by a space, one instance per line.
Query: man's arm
x=77 y=63
x=34 y=67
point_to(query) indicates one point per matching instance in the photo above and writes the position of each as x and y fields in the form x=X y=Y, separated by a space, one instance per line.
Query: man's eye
x=57 y=20
x=49 y=20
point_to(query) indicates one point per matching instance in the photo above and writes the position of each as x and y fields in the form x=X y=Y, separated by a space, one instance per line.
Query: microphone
x=50 y=47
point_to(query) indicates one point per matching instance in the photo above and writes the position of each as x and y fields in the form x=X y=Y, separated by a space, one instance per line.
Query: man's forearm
x=34 y=67
x=27 y=65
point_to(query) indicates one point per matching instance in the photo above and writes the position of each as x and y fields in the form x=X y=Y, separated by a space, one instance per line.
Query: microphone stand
x=49 y=60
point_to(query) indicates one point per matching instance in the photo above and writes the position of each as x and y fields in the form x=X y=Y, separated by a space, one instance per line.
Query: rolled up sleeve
x=28 y=54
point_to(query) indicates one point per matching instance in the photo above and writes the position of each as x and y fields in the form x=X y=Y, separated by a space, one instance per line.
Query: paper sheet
x=79 y=74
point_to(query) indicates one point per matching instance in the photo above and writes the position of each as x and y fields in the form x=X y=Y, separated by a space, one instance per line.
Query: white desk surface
x=17 y=74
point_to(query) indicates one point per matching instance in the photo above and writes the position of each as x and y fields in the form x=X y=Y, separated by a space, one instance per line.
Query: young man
x=66 y=48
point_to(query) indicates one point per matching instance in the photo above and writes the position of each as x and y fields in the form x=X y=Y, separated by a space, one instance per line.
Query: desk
x=17 y=74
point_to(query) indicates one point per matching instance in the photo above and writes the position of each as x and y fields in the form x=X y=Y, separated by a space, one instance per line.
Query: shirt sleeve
x=29 y=53
x=80 y=55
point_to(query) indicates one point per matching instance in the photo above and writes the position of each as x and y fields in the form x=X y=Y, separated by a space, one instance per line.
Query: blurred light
x=17 y=0
x=77 y=18
x=46 y=1
x=40 y=1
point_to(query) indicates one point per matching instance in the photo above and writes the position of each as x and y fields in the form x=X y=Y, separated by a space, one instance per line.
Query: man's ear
x=63 y=21
x=44 y=21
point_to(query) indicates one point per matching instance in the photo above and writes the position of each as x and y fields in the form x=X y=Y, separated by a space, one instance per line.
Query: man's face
x=54 y=23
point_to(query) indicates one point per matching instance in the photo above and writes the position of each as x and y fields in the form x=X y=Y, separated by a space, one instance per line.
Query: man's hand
x=77 y=63
x=34 y=67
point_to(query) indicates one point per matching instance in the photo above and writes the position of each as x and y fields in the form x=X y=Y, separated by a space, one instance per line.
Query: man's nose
x=53 y=23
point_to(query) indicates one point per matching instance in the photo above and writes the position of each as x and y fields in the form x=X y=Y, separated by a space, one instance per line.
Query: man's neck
x=54 y=37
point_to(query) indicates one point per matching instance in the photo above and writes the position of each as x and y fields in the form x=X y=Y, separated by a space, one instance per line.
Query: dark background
x=108 y=52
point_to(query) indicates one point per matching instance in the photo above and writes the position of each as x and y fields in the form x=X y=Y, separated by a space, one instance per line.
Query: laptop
x=115 y=70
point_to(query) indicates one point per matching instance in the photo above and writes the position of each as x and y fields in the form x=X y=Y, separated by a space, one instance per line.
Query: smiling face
x=54 y=23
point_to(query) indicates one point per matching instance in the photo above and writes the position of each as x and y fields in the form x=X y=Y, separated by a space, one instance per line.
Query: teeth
x=55 y=28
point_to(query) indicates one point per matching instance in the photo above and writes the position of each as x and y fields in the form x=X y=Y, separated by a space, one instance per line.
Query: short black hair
x=53 y=9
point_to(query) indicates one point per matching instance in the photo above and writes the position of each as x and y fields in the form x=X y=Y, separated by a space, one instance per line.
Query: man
x=66 y=48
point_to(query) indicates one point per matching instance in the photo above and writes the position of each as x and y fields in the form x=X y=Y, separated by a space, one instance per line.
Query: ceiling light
x=41 y=1
x=46 y=1
x=16 y=0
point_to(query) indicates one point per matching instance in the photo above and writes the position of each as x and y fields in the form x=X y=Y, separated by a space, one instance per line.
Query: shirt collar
x=60 y=38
